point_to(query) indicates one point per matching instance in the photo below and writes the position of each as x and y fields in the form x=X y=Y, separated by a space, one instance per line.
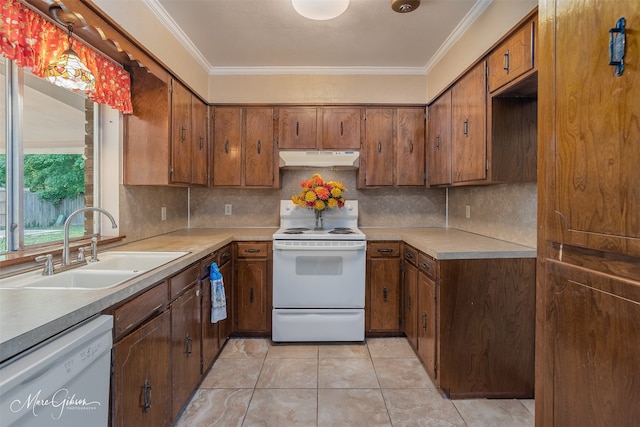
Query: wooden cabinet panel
x=142 y=307
x=468 y=106
x=439 y=145
x=427 y=318
x=147 y=147
x=141 y=388
x=410 y=149
x=225 y=327
x=180 y=134
x=297 y=128
x=252 y=296
x=428 y=266
x=512 y=58
x=340 y=128
x=227 y=146
x=596 y=153
x=183 y=280
x=379 y=148
x=593 y=331
x=384 y=287
x=259 y=149
x=383 y=249
x=185 y=346
x=410 y=309
x=252 y=249
x=200 y=143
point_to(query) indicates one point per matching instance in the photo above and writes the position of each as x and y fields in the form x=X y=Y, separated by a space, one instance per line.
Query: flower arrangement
x=319 y=194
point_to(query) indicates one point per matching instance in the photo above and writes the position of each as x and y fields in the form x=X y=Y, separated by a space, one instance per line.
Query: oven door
x=318 y=274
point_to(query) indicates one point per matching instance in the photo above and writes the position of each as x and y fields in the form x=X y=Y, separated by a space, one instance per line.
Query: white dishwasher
x=63 y=381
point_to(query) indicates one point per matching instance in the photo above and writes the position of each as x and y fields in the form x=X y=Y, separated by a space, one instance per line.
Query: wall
x=408 y=89
x=505 y=211
x=398 y=207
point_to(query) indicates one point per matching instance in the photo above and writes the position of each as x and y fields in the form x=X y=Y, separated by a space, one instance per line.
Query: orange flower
x=322 y=193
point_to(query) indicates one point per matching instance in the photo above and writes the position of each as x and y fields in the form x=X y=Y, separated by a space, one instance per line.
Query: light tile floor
x=380 y=383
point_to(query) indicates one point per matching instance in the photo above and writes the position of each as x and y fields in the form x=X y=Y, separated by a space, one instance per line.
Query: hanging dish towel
x=218 y=298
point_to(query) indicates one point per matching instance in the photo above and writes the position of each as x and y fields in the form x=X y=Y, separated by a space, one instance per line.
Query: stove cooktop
x=298 y=223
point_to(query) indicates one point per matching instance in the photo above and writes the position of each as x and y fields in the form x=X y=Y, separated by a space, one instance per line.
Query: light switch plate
x=227 y=209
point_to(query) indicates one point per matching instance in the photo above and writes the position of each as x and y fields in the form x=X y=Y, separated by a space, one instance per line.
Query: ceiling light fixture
x=320 y=10
x=68 y=71
x=404 y=6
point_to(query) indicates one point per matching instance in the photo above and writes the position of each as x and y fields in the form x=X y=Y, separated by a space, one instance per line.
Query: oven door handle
x=286 y=246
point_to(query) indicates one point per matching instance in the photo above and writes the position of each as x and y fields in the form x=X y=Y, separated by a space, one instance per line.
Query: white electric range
x=318 y=275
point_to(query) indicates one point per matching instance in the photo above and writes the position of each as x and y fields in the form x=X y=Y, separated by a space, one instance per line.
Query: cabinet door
x=439 y=146
x=468 y=105
x=384 y=294
x=252 y=295
x=597 y=134
x=512 y=58
x=593 y=331
x=180 y=134
x=210 y=331
x=379 y=150
x=427 y=323
x=225 y=326
x=141 y=387
x=227 y=147
x=410 y=312
x=259 y=150
x=185 y=343
x=297 y=128
x=199 y=148
x=410 y=159
x=341 y=128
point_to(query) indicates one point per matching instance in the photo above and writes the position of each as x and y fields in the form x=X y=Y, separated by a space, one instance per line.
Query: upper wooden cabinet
x=164 y=141
x=513 y=57
x=394 y=148
x=469 y=127
x=243 y=147
x=439 y=141
x=319 y=128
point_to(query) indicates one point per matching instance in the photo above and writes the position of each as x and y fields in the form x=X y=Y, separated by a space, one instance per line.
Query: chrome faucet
x=67 y=224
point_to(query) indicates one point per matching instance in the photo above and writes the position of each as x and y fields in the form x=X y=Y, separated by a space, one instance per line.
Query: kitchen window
x=48 y=159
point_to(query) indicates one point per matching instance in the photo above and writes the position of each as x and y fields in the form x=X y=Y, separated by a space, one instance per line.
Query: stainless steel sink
x=113 y=269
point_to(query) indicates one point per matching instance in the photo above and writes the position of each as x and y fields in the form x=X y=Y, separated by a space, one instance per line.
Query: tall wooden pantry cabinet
x=588 y=293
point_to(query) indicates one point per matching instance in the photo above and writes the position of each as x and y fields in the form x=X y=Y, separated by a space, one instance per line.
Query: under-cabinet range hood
x=319 y=159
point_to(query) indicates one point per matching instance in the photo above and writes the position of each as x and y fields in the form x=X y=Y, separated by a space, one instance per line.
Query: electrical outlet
x=467 y=212
x=227 y=209
x=163 y=213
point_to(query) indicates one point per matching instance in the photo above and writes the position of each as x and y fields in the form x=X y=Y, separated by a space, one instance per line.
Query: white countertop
x=30 y=316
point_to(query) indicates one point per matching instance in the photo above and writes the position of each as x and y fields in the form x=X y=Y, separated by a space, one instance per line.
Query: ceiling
x=235 y=36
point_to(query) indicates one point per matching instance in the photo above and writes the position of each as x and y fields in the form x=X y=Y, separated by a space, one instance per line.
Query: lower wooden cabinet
x=383 y=292
x=427 y=324
x=410 y=295
x=252 y=293
x=185 y=345
x=141 y=382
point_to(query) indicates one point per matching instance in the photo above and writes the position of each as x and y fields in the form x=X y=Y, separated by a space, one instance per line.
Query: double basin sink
x=113 y=269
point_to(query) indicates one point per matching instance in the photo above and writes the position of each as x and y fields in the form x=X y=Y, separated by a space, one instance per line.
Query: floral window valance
x=33 y=41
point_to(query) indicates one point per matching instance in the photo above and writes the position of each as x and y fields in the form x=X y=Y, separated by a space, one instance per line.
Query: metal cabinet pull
x=384 y=294
x=226 y=147
x=617 y=46
x=188 y=345
x=426 y=266
x=146 y=396
x=385 y=250
x=252 y=250
x=507 y=60
x=379 y=147
x=226 y=255
x=410 y=146
x=201 y=142
x=251 y=295
x=424 y=320
x=466 y=127
x=341 y=129
x=259 y=146
x=297 y=128
x=438 y=142
x=183 y=133
x=408 y=255
x=409 y=302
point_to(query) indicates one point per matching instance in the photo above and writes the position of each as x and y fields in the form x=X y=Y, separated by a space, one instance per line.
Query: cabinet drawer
x=224 y=255
x=512 y=58
x=410 y=254
x=427 y=265
x=136 y=311
x=384 y=249
x=206 y=262
x=182 y=280
x=253 y=250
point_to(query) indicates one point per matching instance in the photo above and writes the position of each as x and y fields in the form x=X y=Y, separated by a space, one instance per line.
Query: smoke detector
x=404 y=6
